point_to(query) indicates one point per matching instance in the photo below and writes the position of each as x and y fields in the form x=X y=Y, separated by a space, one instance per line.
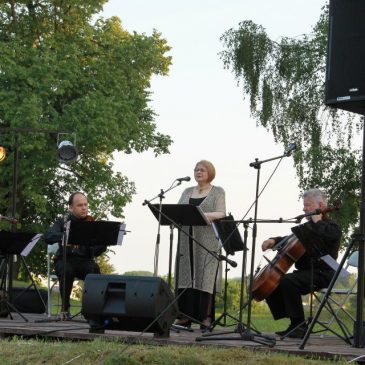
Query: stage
x=77 y=329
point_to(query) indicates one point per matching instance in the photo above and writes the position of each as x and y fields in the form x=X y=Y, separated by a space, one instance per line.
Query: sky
x=201 y=107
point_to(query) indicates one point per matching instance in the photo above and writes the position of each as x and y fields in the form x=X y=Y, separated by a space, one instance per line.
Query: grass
x=22 y=352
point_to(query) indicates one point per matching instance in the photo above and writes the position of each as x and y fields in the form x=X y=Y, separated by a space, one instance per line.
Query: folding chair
x=339 y=298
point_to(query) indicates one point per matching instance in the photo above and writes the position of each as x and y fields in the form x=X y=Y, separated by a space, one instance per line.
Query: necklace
x=201 y=190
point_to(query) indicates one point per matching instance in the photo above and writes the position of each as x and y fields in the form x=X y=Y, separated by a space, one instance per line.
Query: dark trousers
x=76 y=268
x=286 y=300
x=196 y=304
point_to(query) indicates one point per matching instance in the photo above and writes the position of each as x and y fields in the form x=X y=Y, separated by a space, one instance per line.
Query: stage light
x=67 y=152
x=2 y=153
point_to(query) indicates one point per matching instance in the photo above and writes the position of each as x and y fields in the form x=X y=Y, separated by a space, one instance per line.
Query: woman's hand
x=212 y=216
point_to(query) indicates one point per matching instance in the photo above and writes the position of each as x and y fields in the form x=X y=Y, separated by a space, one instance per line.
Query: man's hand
x=267 y=244
x=316 y=218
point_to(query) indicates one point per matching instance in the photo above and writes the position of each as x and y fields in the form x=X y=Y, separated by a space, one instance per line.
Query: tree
x=62 y=70
x=285 y=83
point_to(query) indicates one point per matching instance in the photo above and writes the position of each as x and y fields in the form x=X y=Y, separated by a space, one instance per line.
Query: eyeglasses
x=200 y=170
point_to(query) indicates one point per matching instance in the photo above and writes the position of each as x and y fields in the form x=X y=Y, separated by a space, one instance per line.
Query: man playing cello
x=320 y=236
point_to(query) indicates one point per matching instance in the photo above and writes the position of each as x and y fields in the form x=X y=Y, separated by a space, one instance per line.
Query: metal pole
x=13 y=212
x=361 y=264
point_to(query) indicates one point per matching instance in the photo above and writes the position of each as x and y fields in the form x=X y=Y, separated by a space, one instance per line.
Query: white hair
x=317 y=194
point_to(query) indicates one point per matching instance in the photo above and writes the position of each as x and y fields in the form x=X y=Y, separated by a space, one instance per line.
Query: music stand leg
x=4 y=269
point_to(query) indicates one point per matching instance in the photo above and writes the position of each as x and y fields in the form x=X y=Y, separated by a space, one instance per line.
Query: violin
x=290 y=251
x=89 y=218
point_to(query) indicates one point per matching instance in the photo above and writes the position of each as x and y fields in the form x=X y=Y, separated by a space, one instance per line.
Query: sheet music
x=121 y=234
x=30 y=245
x=333 y=264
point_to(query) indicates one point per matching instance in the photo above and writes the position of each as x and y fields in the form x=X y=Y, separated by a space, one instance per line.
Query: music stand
x=227 y=233
x=94 y=233
x=85 y=233
x=103 y=233
x=178 y=215
x=14 y=243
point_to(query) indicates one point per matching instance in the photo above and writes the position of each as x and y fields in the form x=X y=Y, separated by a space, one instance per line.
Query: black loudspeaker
x=27 y=300
x=131 y=303
x=345 y=74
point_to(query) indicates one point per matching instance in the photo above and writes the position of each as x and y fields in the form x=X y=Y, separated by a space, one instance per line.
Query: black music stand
x=94 y=233
x=85 y=233
x=178 y=215
x=229 y=237
x=13 y=243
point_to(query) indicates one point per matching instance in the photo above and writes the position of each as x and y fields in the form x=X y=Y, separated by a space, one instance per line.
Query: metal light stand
x=17 y=131
x=10 y=258
x=359 y=330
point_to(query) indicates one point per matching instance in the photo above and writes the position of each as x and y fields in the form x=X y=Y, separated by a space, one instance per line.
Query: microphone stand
x=161 y=196
x=257 y=165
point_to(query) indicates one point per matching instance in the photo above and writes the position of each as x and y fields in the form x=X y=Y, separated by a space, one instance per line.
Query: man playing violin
x=79 y=259
x=320 y=236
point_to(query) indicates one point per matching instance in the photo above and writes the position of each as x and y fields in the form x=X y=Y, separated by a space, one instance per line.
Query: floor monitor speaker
x=131 y=303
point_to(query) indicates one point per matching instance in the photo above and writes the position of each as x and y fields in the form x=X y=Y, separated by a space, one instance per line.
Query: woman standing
x=197 y=268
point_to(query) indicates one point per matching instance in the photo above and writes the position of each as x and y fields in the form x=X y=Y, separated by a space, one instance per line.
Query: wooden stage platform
x=78 y=329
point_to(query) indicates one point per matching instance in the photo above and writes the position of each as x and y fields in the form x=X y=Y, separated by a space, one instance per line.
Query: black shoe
x=298 y=332
x=204 y=328
x=283 y=333
x=293 y=331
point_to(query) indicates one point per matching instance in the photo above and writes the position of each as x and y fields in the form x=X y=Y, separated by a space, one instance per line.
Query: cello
x=290 y=250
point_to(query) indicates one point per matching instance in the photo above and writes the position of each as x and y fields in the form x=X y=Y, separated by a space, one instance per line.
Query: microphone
x=186 y=178
x=225 y=258
x=291 y=147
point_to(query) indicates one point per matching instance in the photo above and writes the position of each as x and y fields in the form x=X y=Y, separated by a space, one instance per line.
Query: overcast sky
x=201 y=107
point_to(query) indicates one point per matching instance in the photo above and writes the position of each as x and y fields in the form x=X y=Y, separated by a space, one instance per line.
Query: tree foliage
x=64 y=68
x=285 y=83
